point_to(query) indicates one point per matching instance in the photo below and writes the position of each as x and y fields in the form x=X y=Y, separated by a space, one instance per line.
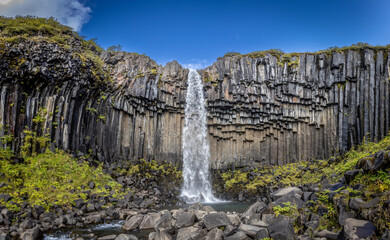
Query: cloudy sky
x=69 y=12
x=196 y=32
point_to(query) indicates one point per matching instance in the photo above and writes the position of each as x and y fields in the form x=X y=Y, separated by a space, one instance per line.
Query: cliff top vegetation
x=281 y=54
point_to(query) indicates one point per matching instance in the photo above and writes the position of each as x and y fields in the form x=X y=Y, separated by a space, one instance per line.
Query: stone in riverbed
x=133 y=222
x=213 y=220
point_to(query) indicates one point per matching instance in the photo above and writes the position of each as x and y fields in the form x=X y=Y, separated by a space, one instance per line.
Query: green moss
x=51 y=179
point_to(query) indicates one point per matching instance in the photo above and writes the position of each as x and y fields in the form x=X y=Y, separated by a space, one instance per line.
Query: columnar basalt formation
x=261 y=109
x=312 y=106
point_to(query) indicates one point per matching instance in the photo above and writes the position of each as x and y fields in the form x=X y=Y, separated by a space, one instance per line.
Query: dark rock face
x=259 y=109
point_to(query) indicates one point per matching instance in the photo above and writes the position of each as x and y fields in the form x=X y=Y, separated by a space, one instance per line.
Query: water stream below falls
x=196 y=187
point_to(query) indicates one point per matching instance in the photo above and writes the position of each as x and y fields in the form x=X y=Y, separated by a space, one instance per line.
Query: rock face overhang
x=260 y=109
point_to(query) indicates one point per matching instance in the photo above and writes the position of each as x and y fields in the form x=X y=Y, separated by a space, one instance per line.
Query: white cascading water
x=197 y=187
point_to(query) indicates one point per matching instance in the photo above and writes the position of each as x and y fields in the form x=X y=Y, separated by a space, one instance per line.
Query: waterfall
x=197 y=187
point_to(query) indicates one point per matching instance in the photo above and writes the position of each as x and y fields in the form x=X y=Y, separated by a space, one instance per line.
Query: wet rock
x=191 y=233
x=126 y=237
x=213 y=220
x=133 y=222
x=149 y=220
x=286 y=191
x=357 y=229
x=186 y=219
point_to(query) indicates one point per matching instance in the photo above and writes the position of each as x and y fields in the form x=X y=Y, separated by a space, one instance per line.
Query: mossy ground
x=50 y=179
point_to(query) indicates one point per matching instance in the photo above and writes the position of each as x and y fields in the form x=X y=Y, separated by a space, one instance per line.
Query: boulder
x=238 y=236
x=327 y=234
x=253 y=209
x=357 y=229
x=215 y=234
x=163 y=235
x=385 y=235
x=165 y=221
x=126 y=237
x=381 y=161
x=281 y=228
x=149 y=220
x=213 y=220
x=249 y=229
x=133 y=222
x=96 y=218
x=27 y=224
x=191 y=233
x=293 y=199
x=285 y=191
x=186 y=219
x=108 y=237
x=350 y=175
x=31 y=234
x=4 y=237
x=261 y=234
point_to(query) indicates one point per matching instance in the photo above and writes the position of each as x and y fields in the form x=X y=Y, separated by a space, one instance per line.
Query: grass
x=286 y=57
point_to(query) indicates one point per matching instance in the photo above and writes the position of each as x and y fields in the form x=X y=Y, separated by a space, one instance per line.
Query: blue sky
x=197 y=32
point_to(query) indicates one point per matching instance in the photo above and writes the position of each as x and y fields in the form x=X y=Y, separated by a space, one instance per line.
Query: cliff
x=262 y=108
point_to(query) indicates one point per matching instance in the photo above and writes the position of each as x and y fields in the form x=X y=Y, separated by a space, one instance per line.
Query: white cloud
x=197 y=64
x=69 y=12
